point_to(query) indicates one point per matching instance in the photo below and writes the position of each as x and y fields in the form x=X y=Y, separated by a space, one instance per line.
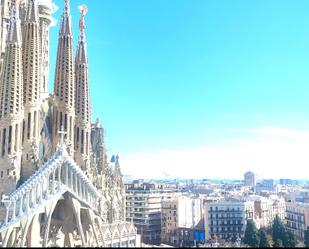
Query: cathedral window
x=56 y=131
x=3 y=141
x=65 y=121
x=29 y=123
x=77 y=136
x=60 y=120
x=82 y=142
x=10 y=139
x=35 y=121
x=71 y=125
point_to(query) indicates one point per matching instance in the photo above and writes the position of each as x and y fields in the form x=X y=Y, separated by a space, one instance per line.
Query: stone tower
x=4 y=22
x=32 y=99
x=64 y=102
x=82 y=101
x=11 y=107
x=45 y=18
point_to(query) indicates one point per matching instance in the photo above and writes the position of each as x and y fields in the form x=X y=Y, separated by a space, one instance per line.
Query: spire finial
x=32 y=14
x=66 y=23
x=14 y=29
x=83 y=11
x=67 y=6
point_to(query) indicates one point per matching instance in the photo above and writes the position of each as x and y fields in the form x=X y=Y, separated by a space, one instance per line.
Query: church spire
x=66 y=22
x=32 y=12
x=81 y=56
x=32 y=89
x=11 y=105
x=64 y=107
x=14 y=33
x=82 y=101
x=12 y=72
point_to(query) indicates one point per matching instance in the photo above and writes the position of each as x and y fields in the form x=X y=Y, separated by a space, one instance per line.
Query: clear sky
x=200 y=88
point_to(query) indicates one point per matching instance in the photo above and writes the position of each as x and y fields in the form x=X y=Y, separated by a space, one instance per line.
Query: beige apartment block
x=297 y=218
x=180 y=217
x=225 y=220
x=266 y=209
x=144 y=209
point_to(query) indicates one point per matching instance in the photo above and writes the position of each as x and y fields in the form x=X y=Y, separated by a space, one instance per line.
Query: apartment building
x=143 y=207
x=266 y=209
x=297 y=218
x=227 y=219
x=182 y=221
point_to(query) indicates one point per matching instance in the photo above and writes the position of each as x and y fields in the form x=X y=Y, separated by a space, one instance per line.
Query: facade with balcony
x=226 y=220
x=182 y=221
x=143 y=207
x=297 y=218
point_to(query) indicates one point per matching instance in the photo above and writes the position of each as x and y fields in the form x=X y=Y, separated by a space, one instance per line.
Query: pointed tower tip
x=67 y=6
x=66 y=23
x=83 y=11
x=14 y=34
x=32 y=11
x=81 y=56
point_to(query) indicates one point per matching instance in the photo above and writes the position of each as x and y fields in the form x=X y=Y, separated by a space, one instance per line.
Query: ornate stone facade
x=58 y=188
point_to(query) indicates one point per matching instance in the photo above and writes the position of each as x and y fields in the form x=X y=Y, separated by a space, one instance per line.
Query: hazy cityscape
x=214 y=213
x=206 y=103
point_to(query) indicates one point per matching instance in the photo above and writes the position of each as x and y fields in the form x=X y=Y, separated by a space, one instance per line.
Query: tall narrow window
x=35 y=121
x=16 y=137
x=65 y=122
x=77 y=137
x=82 y=139
x=87 y=143
x=10 y=140
x=60 y=121
x=23 y=133
x=70 y=128
x=3 y=141
x=56 y=124
x=29 y=123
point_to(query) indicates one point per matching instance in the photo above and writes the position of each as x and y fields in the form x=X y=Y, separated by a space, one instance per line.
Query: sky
x=199 y=88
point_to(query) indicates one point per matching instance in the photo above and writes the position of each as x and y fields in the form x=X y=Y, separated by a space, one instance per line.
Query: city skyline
x=205 y=89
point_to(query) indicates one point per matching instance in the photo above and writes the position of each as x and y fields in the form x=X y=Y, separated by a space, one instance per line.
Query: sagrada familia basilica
x=57 y=186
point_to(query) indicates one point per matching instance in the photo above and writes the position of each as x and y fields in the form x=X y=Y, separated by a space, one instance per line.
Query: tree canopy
x=251 y=234
x=264 y=240
x=306 y=237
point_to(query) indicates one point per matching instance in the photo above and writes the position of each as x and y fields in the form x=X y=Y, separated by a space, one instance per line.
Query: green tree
x=264 y=240
x=306 y=237
x=278 y=230
x=251 y=234
x=281 y=233
x=290 y=239
x=277 y=243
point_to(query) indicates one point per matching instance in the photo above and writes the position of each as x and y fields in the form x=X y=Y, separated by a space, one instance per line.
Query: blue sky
x=181 y=85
